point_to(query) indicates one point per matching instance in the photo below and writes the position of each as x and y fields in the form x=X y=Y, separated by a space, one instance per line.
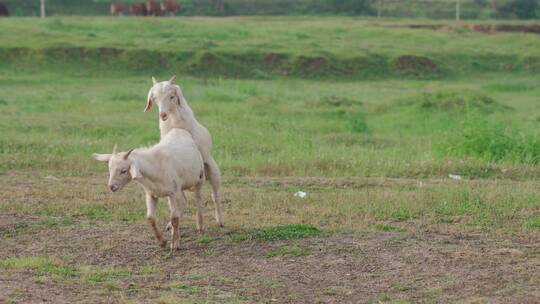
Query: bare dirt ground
x=338 y=268
x=421 y=264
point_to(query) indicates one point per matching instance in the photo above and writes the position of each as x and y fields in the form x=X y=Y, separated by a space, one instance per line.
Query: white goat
x=174 y=112
x=166 y=169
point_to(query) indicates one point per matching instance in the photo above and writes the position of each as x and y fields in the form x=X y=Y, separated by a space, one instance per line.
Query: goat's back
x=179 y=150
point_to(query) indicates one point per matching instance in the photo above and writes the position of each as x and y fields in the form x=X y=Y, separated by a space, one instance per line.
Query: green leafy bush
x=492 y=142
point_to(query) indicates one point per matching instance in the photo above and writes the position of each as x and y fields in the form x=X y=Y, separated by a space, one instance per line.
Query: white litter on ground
x=300 y=194
x=456 y=177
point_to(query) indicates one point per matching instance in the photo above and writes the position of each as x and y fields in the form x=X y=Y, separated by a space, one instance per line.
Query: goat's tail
x=202 y=175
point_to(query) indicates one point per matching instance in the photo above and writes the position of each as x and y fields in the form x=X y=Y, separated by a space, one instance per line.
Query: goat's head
x=166 y=95
x=121 y=169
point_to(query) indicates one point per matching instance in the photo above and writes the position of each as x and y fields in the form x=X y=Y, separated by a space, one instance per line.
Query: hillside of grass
x=281 y=96
x=265 y=47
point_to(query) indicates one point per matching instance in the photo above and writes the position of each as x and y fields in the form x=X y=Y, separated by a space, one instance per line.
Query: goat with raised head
x=174 y=112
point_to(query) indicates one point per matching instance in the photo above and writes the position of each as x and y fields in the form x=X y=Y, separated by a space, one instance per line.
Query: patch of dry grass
x=353 y=204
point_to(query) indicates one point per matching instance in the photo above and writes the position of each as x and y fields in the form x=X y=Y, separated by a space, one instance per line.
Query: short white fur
x=164 y=170
x=174 y=112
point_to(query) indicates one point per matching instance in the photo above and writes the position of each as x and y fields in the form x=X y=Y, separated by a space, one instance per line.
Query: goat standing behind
x=174 y=112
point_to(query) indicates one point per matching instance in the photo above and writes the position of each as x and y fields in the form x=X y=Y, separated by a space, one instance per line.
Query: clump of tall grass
x=492 y=142
x=357 y=122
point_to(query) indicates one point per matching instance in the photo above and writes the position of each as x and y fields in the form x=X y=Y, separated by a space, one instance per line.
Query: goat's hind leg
x=199 y=202
x=176 y=206
x=214 y=176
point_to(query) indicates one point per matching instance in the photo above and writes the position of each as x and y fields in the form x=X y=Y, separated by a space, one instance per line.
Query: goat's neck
x=149 y=168
x=182 y=118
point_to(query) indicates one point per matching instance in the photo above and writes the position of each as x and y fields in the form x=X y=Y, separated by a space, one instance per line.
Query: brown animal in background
x=3 y=10
x=119 y=9
x=138 y=9
x=153 y=8
x=170 y=7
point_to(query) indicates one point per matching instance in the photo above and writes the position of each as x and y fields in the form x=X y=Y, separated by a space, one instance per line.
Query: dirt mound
x=435 y=27
x=533 y=28
x=337 y=101
x=105 y=51
x=482 y=28
x=413 y=63
x=209 y=59
x=459 y=102
x=274 y=59
x=312 y=65
x=512 y=28
x=265 y=65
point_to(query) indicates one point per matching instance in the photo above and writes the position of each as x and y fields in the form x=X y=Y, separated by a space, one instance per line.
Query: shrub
x=492 y=142
x=357 y=122
x=522 y=9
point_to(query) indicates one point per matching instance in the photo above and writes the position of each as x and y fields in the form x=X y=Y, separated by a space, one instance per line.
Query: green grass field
x=324 y=105
x=260 y=48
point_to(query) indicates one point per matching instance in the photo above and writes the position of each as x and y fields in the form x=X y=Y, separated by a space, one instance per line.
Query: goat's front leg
x=151 y=202
x=176 y=206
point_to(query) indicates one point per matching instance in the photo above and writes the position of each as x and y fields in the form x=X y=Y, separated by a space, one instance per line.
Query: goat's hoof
x=175 y=248
x=163 y=244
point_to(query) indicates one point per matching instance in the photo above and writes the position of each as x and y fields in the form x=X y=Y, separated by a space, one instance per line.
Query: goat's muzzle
x=114 y=188
x=163 y=116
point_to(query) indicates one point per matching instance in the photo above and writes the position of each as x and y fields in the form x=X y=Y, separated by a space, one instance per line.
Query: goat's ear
x=127 y=154
x=102 y=157
x=148 y=102
x=154 y=81
x=178 y=101
x=178 y=94
x=134 y=171
x=148 y=105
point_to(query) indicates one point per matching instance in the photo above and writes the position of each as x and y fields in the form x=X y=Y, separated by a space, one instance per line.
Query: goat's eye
x=123 y=171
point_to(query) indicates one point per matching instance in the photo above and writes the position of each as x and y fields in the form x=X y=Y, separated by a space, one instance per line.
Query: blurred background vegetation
x=433 y=9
